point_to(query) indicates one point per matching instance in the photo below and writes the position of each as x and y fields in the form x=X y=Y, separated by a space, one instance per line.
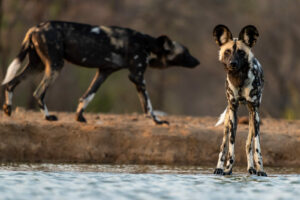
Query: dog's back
x=92 y=46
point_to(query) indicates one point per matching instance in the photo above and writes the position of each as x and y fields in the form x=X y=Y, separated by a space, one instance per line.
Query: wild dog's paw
x=160 y=122
x=227 y=172
x=7 y=109
x=262 y=174
x=218 y=171
x=51 y=118
x=251 y=170
x=80 y=118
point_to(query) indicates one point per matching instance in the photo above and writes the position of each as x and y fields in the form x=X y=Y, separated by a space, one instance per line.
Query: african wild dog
x=107 y=48
x=244 y=84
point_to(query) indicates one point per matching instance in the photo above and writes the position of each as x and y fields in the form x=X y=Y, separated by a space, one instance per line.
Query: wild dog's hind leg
x=223 y=149
x=32 y=67
x=99 y=78
x=39 y=93
x=51 y=54
x=255 y=127
x=7 y=106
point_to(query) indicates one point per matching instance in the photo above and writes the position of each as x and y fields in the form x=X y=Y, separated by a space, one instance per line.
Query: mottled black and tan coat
x=244 y=85
x=107 y=48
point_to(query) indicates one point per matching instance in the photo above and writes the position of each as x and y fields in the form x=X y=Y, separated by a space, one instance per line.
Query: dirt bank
x=133 y=139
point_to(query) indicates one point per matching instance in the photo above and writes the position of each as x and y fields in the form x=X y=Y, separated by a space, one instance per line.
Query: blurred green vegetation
x=292 y=111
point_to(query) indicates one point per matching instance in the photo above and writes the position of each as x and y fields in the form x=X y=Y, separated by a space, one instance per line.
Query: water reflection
x=49 y=181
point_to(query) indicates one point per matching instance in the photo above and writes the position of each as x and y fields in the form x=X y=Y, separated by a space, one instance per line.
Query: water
x=48 y=181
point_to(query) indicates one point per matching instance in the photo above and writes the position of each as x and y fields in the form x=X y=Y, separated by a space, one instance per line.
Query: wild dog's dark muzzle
x=233 y=64
x=191 y=62
x=184 y=61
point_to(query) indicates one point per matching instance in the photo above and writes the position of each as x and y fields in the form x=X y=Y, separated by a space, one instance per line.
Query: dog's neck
x=237 y=78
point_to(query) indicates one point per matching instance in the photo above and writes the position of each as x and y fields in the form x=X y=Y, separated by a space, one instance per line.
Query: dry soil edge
x=134 y=139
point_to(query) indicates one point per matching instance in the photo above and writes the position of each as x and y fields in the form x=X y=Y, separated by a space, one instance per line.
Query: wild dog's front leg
x=257 y=151
x=139 y=64
x=223 y=149
x=249 y=153
x=249 y=147
x=145 y=100
x=231 y=124
x=99 y=78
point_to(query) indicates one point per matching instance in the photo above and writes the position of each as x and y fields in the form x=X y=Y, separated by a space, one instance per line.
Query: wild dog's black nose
x=193 y=62
x=233 y=63
x=197 y=62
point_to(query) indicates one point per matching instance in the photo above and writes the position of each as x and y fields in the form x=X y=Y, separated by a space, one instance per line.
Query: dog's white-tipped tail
x=15 y=65
x=12 y=70
x=221 y=118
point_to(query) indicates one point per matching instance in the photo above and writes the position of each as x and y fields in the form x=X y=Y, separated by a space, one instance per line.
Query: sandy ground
x=134 y=139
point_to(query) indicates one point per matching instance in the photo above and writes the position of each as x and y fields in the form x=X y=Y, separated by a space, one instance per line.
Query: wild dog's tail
x=221 y=118
x=15 y=65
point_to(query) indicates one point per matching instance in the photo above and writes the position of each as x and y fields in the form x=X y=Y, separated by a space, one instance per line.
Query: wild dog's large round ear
x=249 y=35
x=222 y=34
x=164 y=42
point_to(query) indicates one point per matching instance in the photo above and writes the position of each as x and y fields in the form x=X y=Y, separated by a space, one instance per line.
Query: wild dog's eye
x=227 y=52
x=241 y=53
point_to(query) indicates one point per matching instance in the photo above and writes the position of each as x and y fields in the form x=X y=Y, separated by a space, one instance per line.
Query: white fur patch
x=8 y=97
x=177 y=50
x=95 y=30
x=136 y=57
x=250 y=56
x=220 y=164
x=258 y=66
x=45 y=111
x=221 y=118
x=83 y=104
x=88 y=100
x=159 y=113
x=149 y=105
x=12 y=70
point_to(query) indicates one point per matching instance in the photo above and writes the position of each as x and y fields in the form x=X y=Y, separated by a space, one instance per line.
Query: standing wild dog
x=108 y=49
x=244 y=84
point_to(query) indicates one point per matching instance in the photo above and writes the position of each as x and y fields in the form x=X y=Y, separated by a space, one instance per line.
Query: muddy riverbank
x=134 y=139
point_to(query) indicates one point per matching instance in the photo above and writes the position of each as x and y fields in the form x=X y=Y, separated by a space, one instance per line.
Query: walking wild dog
x=108 y=49
x=244 y=84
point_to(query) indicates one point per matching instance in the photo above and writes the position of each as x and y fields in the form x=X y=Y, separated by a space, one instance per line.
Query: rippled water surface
x=47 y=181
